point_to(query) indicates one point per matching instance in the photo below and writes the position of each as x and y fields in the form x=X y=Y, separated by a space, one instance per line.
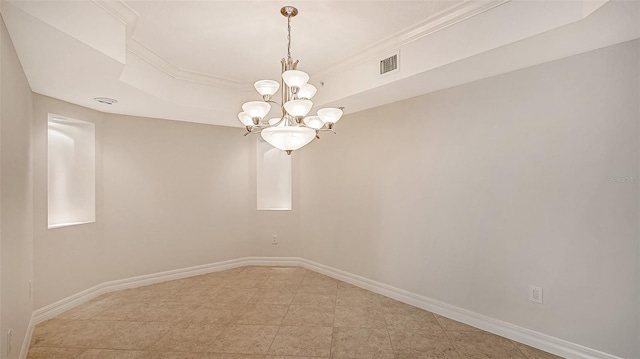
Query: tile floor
x=261 y=313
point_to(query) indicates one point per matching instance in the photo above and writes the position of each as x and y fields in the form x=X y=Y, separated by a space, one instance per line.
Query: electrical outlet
x=9 y=342
x=535 y=294
x=274 y=239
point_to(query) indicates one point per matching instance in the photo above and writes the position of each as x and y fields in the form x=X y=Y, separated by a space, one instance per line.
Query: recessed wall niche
x=273 y=178
x=71 y=171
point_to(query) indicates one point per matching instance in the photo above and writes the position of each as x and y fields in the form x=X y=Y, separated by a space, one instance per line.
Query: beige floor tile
x=309 y=315
x=245 y=339
x=210 y=281
x=233 y=295
x=123 y=310
x=218 y=313
x=229 y=272
x=189 y=337
x=450 y=324
x=244 y=312
x=410 y=318
x=287 y=272
x=143 y=294
x=357 y=297
x=312 y=279
x=195 y=294
x=257 y=270
x=302 y=341
x=114 y=354
x=135 y=335
x=283 y=282
x=421 y=344
x=345 y=285
x=533 y=353
x=232 y=356
x=392 y=303
x=360 y=317
x=274 y=295
x=86 y=310
x=314 y=290
x=69 y=333
x=245 y=282
x=172 y=312
x=54 y=353
x=267 y=314
x=315 y=299
x=361 y=343
x=483 y=345
x=176 y=355
x=168 y=286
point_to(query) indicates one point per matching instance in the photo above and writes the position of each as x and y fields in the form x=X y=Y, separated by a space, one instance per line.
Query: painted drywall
x=175 y=194
x=266 y=223
x=168 y=195
x=67 y=260
x=471 y=194
x=16 y=219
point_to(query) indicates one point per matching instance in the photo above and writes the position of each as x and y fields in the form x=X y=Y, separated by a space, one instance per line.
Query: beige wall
x=175 y=195
x=67 y=260
x=169 y=195
x=16 y=227
x=471 y=194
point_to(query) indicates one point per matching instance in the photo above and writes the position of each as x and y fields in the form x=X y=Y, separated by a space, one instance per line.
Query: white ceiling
x=244 y=41
x=196 y=60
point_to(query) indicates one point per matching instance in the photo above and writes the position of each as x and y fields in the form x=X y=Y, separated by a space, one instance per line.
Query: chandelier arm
x=253 y=132
x=327 y=129
x=276 y=102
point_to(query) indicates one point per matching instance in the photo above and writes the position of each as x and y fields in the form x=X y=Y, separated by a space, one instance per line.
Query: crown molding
x=149 y=56
x=128 y=16
x=121 y=11
x=124 y=13
x=434 y=23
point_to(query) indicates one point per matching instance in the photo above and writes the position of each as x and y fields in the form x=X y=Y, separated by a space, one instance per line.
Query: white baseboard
x=532 y=338
x=27 y=338
x=526 y=336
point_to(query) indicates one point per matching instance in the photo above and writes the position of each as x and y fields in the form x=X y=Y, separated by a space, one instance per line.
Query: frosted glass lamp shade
x=313 y=122
x=330 y=115
x=298 y=108
x=307 y=92
x=295 y=78
x=288 y=138
x=275 y=120
x=267 y=87
x=245 y=119
x=257 y=109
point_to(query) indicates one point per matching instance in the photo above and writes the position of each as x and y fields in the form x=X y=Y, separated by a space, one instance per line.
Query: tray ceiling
x=196 y=60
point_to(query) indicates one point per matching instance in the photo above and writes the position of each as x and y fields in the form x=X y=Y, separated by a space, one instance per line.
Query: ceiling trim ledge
x=394 y=42
x=121 y=11
x=163 y=65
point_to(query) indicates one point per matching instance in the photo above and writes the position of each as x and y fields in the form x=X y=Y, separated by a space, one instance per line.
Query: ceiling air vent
x=390 y=64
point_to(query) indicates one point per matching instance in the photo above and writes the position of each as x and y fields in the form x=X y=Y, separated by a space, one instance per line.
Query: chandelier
x=293 y=129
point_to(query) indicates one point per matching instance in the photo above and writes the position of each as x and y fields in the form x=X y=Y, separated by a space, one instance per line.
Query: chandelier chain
x=289 y=38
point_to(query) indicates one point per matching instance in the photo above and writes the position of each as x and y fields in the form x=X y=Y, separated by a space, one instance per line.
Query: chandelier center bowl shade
x=293 y=129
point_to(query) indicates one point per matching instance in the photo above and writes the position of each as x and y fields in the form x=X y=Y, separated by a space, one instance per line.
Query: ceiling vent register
x=389 y=64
